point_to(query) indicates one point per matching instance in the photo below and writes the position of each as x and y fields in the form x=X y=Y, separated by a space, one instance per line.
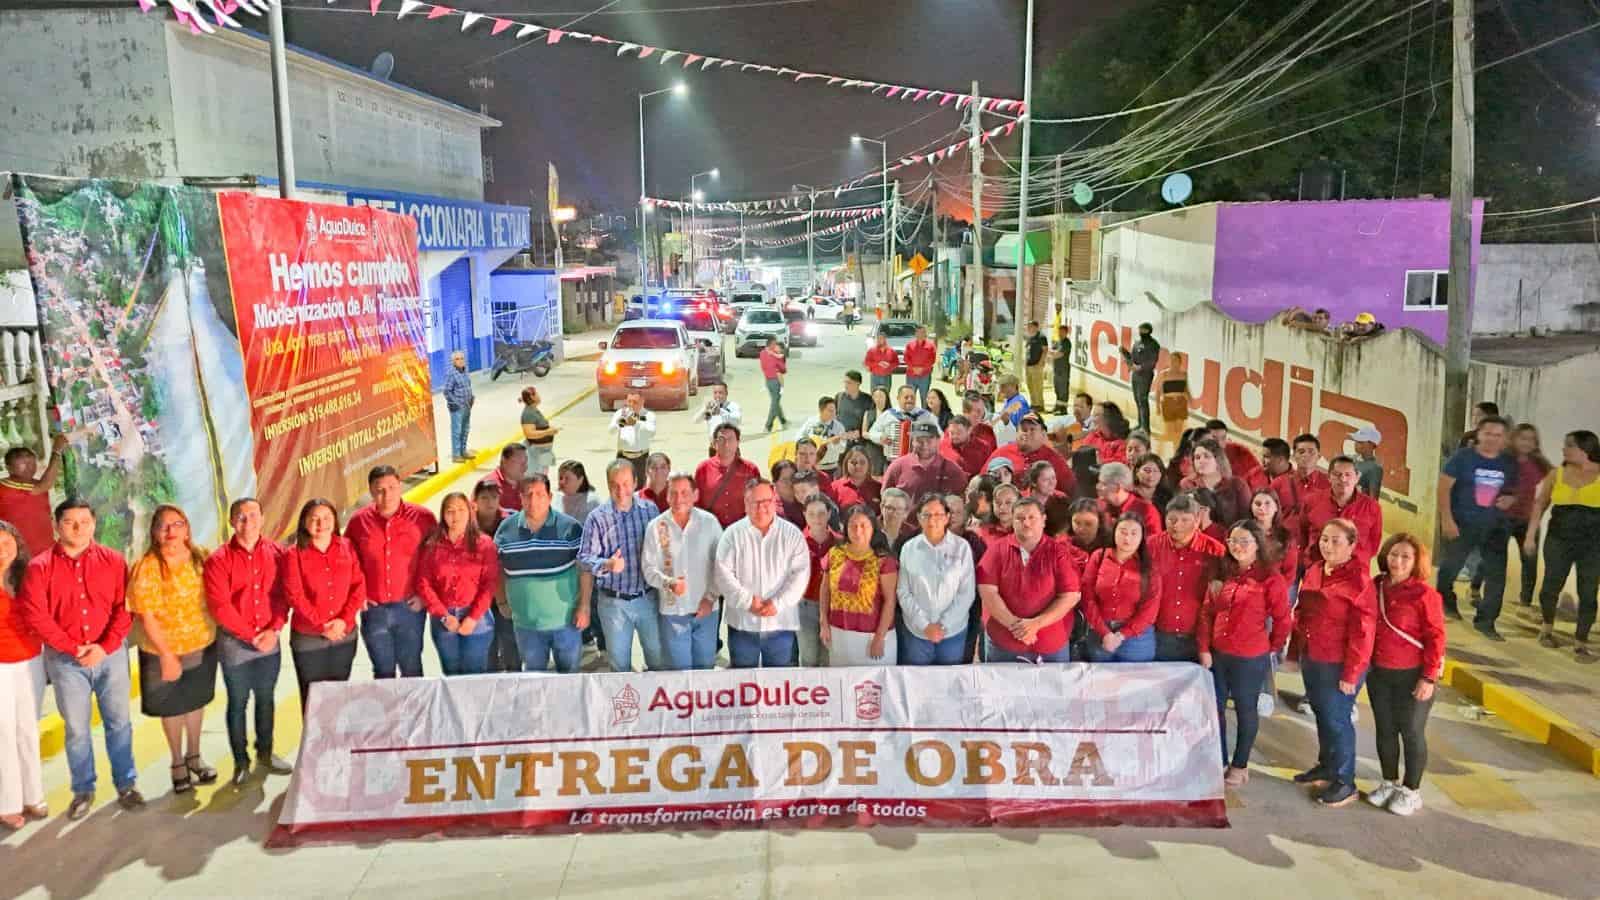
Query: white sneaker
x=1405 y=801
x=1382 y=794
x=1266 y=704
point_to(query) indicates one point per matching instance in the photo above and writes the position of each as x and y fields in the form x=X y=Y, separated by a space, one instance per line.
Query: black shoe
x=130 y=800
x=1450 y=612
x=275 y=764
x=1489 y=632
x=241 y=775
x=182 y=783
x=1316 y=775
x=203 y=773
x=1338 y=794
x=80 y=806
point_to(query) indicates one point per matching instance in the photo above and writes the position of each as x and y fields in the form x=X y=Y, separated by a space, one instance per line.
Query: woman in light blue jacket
x=936 y=590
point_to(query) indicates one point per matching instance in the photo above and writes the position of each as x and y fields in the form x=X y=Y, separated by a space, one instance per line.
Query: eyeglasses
x=927 y=516
x=1241 y=541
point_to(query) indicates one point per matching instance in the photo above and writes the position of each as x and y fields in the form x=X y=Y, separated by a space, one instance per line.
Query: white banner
x=933 y=746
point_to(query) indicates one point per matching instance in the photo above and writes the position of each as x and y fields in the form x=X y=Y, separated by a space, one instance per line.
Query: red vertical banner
x=330 y=319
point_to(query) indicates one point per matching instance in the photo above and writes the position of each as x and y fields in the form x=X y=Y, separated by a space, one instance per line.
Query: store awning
x=1005 y=250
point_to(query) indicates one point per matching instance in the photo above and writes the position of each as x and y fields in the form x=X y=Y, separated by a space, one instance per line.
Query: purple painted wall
x=1350 y=256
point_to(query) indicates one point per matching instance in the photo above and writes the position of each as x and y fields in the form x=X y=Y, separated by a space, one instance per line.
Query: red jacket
x=1234 y=621
x=1186 y=575
x=773 y=364
x=321 y=586
x=1112 y=592
x=1338 y=613
x=882 y=360
x=1136 y=504
x=1065 y=481
x=454 y=576
x=920 y=356
x=1362 y=510
x=1415 y=608
x=244 y=589
x=1293 y=491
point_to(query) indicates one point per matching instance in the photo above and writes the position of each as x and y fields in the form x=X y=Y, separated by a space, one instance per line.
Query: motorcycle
x=538 y=357
x=981 y=378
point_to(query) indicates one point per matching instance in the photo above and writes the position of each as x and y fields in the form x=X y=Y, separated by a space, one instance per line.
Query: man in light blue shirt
x=613 y=541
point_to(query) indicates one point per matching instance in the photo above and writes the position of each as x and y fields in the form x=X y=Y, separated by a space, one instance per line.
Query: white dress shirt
x=774 y=566
x=633 y=438
x=727 y=414
x=886 y=430
x=936 y=584
x=690 y=553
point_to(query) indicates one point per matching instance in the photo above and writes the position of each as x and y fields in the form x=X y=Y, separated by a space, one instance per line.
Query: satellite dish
x=382 y=66
x=1082 y=194
x=1176 y=188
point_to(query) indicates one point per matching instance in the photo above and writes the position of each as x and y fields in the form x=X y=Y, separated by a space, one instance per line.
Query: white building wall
x=1168 y=258
x=1552 y=287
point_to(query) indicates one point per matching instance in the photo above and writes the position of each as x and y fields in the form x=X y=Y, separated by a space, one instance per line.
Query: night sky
x=576 y=103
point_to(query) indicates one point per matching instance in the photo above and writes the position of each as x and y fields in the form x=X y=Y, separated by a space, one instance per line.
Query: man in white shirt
x=762 y=568
x=719 y=409
x=634 y=427
x=892 y=430
x=680 y=555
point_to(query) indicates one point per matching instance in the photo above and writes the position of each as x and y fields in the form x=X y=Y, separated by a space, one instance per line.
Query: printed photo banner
x=967 y=746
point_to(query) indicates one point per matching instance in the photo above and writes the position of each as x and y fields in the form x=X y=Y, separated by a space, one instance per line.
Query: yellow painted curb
x=53 y=731
x=1567 y=739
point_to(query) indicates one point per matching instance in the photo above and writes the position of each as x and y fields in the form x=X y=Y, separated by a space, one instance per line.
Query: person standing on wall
x=458 y=399
x=1476 y=487
x=921 y=354
x=388 y=536
x=1141 y=359
x=25 y=500
x=1035 y=351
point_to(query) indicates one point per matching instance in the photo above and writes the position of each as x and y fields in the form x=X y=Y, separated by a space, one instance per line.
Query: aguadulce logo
x=625 y=706
x=869 y=701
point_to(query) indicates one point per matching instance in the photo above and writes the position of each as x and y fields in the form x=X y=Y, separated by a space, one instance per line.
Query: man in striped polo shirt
x=539 y=555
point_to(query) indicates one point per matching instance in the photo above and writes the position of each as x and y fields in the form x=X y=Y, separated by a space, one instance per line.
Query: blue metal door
x=455 y=320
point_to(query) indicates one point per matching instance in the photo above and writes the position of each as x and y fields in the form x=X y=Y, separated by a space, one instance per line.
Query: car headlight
x=668 y=367
x=610 y=367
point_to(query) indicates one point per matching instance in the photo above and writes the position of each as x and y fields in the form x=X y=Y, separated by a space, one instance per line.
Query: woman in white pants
x=21 y=786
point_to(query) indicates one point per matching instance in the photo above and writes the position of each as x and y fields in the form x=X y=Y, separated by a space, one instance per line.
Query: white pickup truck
x=654 y=358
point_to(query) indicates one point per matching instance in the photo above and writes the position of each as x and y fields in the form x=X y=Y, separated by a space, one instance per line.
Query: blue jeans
x=619 y=619
x=995 y=653
x=463 y=654
x=1336 y=734
x=919 y=651
x=760 y=649
x=460 y=423
x=1141 y=648
x=1490 y=541
x=922 y=383
x=1241 y=678
x=393 y=635
x=688 y=642
x=883 y=381
x=258 y=676
x=536 y=646
x=108 y=684
x=775 y=403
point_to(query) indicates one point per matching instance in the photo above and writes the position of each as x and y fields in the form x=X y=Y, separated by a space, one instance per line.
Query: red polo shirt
x=1113 y=591
x=323 y=585
x=1186 y=575
x=1362 y=510
x=920 y=356
x=510 y=496
x=983 y=431
x=1028 y=589
x=722 y=487
x=1235 y=620
x=389 y=549
x=25 y=506
x=970 y=456
x=71 y=602
x=1065 y=481
x=244 y=590
x=1338 y=615
x=917 y=478
x=882 y=360
x=772 y=365
x=456 y=575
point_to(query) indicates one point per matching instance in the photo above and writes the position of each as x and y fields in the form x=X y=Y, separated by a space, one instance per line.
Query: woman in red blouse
x=1110 y=436
x=857 y=485
x=1334 y=629
x=1121 y=596
x=1210 y=470
x=1240 y=625
x=998 y=526
x=456 y=579
x=1040 y=483
x=323 y=584
x=857 y=595
x=1268 y=516
x=1086 y=533
x=1407 y=659
x=21 y=782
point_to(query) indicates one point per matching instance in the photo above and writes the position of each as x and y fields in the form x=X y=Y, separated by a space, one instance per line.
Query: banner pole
x=280 y=102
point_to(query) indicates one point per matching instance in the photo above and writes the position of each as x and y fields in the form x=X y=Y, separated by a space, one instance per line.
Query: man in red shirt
x=1244 y=464
x=1028 y=588
x=25 y=500
x=1117 y=498
x=923 y=471
x=1033 y=444
x=1296 y=488
x=962 y=447
x=509 y=474
x=920 y=355
x=388 y=536
x=881 y=362
x=73 y=598
x=244 y=596
x=721 y=479
x=1342 y=500
x=1188 y=561
x=773 y=368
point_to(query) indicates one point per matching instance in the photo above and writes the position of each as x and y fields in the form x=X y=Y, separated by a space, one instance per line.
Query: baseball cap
x=1367 y=318
x=998 y=463
x=924 y=429
x=1033 y=417
x=1367 y=434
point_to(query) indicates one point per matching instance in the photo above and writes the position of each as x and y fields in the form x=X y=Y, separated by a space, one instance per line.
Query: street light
x=678 y=89
x=696 y=196
x=811 y=218
x=888 y=226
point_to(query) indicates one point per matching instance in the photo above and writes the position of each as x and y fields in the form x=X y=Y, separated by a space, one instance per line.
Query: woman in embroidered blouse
x=858 y=595
x=1407 y=659
x=936 y=587
x=456 y=578
x=177 y=642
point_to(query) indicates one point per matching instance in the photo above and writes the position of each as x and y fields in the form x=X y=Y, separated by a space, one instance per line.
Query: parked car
x=756 y=324
x=654 y=357
x=803 y=331
x=700 y=320
x=900 y=332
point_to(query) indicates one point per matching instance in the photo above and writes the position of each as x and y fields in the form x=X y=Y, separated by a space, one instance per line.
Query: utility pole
x=1019 y=311
x=889 y=247
x=1458 y=337
x=976 y=140
x=741 y=236
x=811 y=258
x=280 y=102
